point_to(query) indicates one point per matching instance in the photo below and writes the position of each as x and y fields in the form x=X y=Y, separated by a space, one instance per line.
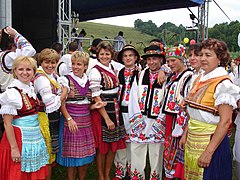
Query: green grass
x=97 y=30
x=59 y=172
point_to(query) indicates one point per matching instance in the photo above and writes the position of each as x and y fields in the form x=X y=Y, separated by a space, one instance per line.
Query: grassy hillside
x=97 y=30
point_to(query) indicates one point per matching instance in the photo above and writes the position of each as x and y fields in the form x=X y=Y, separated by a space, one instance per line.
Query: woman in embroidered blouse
x=210 y=104
x=194 y=58
x=108 y=127
x=77 y=148
x=12 y=45
x=23 y=152
x=175 y=86
x=50 y=95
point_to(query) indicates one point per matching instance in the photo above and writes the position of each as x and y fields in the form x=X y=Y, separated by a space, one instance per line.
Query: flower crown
x=177 y=52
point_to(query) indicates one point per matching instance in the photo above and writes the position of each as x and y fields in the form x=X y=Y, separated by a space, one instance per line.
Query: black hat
x=153 y=50
x=128 y=47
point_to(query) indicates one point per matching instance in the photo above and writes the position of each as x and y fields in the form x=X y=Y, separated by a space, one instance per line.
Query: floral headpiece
x=177 y=52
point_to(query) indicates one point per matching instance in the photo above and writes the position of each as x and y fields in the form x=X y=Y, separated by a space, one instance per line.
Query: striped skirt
x=76 y=149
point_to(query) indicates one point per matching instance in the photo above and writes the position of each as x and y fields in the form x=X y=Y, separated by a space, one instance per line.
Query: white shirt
x=66 y=58
x=11 y=99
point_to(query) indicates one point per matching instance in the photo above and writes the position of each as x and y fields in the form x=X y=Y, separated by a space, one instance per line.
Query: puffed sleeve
x=226 y=93
x=10 y=101
x=95 y=82
x=43 y=87
x=63 y=81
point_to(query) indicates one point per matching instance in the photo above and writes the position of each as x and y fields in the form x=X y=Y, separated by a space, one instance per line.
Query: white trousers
x=139 y=156
x=122 y=161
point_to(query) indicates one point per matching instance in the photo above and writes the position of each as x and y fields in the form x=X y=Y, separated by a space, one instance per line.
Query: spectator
x=57 y=47
x=64 y=65
x=81 y=35
x=119 y=42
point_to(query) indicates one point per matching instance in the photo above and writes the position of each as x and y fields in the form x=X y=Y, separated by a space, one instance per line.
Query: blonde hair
x=23 y=59
x=48 y=54
x=76 y=55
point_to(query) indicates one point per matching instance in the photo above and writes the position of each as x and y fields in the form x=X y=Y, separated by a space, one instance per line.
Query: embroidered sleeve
x=95 y=82
x=226 y=93
x=63 y=81
x=43 y=87
x=24 y=48
x=10 y=101
x=166 y=69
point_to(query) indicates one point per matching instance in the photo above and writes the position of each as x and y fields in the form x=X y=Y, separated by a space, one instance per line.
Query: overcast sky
x=180 y=16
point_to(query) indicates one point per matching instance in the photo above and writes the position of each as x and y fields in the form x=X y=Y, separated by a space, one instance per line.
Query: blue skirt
x=220 y=167
x=67 y=161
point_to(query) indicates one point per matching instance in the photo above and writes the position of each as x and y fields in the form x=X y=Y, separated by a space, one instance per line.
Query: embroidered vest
x=174 y=92
x=122 y=82
x=201 y=95
x=109 y=80
x=29 y=107
x=149 y=98
x=76 y=91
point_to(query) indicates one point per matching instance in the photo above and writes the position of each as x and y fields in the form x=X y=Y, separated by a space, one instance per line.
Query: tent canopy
x=89 y=10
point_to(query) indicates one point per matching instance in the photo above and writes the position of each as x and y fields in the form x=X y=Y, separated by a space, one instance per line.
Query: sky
x=180 y=16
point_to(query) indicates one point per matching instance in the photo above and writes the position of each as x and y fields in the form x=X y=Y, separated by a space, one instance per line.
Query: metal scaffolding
x=5 y=13
x=64 y=22
x=203 y=11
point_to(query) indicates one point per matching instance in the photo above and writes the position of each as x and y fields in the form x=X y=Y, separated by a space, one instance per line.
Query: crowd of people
x=174 y=111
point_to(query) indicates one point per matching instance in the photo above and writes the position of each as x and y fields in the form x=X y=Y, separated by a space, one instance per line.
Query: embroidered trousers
x=122 y=161
x=139 y=156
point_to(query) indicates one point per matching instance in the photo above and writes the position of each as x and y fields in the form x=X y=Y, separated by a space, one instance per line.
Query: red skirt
x=10 y=170
x=103 y=147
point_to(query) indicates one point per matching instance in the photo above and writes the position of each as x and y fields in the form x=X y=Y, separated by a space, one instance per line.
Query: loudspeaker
x=36 y=20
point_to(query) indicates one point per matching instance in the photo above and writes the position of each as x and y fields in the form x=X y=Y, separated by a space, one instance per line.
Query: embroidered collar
x=26 y=89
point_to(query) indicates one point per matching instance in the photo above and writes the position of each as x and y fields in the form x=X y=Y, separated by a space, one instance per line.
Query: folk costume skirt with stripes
x=199 y=136
x=106 y=139
x=76 y=149
x=34 y=155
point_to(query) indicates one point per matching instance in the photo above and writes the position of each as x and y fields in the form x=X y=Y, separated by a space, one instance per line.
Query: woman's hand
x=72 y=125
x=182 y=142
x=110 y=124
x=10 y=31
x=182 y=104
x=98 y=105
x=205 y=159
x=15 y=153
